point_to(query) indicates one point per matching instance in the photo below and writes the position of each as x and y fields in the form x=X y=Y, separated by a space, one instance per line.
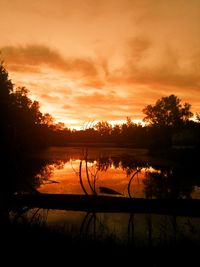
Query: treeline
x=102 y=133
x=24 y=127
x=131 y=135
x=168 y=125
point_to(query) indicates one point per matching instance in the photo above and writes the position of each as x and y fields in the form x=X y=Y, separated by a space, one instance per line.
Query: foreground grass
x=37 y=239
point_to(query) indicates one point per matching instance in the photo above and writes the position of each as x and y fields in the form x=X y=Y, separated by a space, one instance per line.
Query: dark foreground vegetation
x=102 y=204
x=37 y=242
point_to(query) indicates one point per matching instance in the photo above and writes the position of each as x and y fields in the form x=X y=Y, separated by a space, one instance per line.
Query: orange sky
x=102 y=59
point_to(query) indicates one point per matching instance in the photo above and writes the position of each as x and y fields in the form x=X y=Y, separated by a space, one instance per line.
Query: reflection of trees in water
x=128 y=164
x=136 y=229
x=29 y=216
x=169 y=183
x=89 y=221
x=130 y=181
x=103 y=164
x=47 y=171
x=162 y=182
x=24 y=173
x=93 y=227
x=131 y=229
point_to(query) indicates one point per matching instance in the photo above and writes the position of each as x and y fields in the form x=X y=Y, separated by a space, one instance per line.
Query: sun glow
x=81 y=125
x=120 y=122
x=89 y=71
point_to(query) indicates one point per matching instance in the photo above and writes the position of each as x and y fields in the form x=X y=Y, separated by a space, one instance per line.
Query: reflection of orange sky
x=102 y=60
x=114 y=178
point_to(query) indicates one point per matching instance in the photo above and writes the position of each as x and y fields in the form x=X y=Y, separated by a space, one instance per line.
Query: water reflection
x=170 y=183
x=140 y=230
x=118 y=172
x=126 y=173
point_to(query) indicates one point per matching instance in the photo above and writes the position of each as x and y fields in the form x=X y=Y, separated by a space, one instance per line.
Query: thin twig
x=76 y=172
x=129 y=184
x=88 y=178
x=80 y=178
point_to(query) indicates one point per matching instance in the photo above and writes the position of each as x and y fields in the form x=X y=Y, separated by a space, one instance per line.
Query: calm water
x=126 y=171
x=119 y=172
x=102 y=171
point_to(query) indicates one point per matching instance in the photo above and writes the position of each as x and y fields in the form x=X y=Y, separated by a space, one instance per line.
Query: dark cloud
x=138 y=48
x=30 y=58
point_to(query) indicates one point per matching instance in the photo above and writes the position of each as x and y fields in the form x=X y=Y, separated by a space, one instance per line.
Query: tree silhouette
x=103 y=128
x=168 y=111
x=23 y=128
x=198 y=117
x=6 y=88
x=6 y=85
x=6 y=140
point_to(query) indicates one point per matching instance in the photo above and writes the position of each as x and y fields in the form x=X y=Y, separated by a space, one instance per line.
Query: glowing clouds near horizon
x=102 y=60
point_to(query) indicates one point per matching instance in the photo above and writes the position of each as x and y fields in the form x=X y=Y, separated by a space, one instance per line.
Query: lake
x=112 y=168
x=116 y=172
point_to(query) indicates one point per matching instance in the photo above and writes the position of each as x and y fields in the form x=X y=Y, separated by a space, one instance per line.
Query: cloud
x=49 y=98
x=146 y=64
x=112 y=95
x=67 y=107
x=140 y=49
x=31 y=58
x=94 y=83
x=106 y=98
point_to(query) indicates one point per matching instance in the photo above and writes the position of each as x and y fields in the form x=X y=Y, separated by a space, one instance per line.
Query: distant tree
x=6 y=88
x=35 y=113
x=198 y=117
x=129 y=122
x=47 y=120
x=116 y=130
x=103 y=127
x=60 y=126
x=167 y=111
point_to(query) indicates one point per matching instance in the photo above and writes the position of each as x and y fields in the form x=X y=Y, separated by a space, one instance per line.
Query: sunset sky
x=102 y=59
